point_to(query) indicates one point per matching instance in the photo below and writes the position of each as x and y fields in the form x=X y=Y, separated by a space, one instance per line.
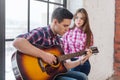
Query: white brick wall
x=101 y=16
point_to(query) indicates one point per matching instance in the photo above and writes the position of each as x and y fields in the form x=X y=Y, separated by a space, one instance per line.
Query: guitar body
x=27 y=67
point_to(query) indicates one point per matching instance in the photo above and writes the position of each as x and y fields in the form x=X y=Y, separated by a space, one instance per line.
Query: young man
x=47 y=36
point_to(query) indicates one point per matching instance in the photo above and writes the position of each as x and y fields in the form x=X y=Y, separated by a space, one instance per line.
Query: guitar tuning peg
x=94 y=49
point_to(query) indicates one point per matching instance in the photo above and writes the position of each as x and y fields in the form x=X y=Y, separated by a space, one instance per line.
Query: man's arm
x=71 y=64
x=24 y=46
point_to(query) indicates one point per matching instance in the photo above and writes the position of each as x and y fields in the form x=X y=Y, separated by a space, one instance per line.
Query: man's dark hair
x=61 y=13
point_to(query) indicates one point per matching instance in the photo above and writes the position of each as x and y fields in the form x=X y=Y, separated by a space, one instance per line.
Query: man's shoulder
x=42 y=28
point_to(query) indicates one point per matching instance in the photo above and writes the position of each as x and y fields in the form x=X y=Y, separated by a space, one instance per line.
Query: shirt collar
x=78 y=29
x=52 y=35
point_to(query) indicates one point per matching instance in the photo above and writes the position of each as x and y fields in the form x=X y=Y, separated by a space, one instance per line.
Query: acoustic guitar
x=26 y=67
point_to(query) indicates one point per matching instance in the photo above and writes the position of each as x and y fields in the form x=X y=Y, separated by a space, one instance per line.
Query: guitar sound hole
x=57 y=61
x=49 y=69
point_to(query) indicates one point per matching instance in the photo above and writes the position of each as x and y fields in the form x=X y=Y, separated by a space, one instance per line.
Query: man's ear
x=55 y=21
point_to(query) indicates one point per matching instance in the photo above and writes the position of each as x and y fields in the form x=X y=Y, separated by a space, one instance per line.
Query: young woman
x=78 y=38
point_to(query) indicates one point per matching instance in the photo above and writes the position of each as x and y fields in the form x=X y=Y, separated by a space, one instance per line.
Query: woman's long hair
x=85 y=26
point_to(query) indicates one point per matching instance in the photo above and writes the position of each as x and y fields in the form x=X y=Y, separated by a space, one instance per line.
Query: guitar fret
x=69 y=56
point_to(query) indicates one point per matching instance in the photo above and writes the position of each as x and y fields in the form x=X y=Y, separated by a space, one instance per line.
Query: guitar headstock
x=94 y=49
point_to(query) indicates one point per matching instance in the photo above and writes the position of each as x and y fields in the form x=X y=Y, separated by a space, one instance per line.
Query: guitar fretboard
x=68 y=56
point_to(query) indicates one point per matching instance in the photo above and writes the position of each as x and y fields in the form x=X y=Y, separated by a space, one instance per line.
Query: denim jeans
x=85 y=68
x=71 y=75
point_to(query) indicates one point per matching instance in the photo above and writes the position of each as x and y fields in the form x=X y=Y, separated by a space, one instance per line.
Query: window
x=2 y=39
x=21 y=17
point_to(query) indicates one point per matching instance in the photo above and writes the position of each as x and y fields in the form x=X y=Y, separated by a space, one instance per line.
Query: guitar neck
x=69 y=56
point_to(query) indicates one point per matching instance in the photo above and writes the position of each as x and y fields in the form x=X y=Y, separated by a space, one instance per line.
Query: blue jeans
x=71 y=75
x=85 y=68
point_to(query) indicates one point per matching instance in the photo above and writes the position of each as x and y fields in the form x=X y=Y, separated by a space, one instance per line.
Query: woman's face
x=79 y=19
